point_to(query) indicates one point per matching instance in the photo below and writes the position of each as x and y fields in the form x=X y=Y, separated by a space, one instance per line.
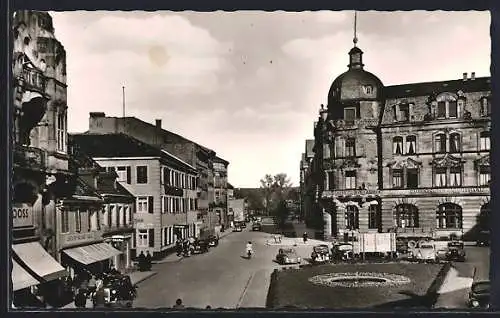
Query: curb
x=145 y=277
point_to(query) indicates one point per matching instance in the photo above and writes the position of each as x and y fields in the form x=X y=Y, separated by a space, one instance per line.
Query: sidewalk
x=135 y=277
x=456 y=286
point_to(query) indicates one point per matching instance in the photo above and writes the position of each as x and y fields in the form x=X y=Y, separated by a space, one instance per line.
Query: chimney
x=473 y=76
x=96 y=120
x=158 y=123
x=465 y=77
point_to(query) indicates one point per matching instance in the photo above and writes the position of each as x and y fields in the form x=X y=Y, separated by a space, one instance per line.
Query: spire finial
x=355 y=39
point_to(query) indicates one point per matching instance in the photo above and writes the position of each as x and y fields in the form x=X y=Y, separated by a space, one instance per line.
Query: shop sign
x=22 y=215
x=77 y=238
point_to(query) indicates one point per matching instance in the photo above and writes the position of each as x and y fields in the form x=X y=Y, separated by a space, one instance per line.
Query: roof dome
x=355 y=84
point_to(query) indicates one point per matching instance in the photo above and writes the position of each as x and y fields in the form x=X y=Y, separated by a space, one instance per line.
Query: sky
x=249 y=84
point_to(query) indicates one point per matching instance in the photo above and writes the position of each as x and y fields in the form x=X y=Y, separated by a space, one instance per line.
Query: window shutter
x=129 y=181
x=151 y=237
x=150 y=204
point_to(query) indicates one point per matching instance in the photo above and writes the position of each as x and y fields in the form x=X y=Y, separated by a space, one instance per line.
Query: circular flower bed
x=359 y=279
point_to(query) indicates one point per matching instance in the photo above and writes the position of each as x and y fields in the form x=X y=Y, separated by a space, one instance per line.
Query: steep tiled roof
x=428 y=88
x=83 y=189
x=121 y=145
x=106 y=186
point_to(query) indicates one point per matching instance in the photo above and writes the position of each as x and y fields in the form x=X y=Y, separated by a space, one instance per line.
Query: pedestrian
x=92 y=284
x=304 y=237
x=142 y=261
x=80 y=299
x=99 y=298
x=148 y=261
x=178 y=247
x=178 y=304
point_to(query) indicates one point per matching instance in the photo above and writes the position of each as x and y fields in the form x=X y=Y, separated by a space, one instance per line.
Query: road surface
x=221 y=278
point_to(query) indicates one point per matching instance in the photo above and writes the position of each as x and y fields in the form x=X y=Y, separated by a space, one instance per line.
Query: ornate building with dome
x=411 y=159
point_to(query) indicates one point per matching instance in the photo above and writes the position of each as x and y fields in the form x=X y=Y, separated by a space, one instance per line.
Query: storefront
x=181 y=231
x=94 y=258
x=123 y=244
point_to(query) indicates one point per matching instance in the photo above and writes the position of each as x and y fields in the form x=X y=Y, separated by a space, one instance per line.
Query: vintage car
x=424 y=252
x=455 y=251
x=200 y=246
x=320 y=254
x=256 y=226
x=287 y=256
x=237 y=228
x=119 y=291
x=479 y=295
x=342 y=251
x=483 y=238
x=213 y=240
x=243 y=225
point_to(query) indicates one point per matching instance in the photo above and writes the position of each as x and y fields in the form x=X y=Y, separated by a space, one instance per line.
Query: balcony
x=33 y=80
x=29 y=157
x=114 y=229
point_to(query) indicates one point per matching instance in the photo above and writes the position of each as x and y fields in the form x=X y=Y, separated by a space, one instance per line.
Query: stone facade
x=412 y=158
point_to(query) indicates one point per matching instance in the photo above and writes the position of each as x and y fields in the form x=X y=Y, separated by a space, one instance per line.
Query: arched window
x=449 y=216
x=440 y=143
x=397 y=145
x=455 y=142
x=352 y=217
x=411 y=145
x=406 y=215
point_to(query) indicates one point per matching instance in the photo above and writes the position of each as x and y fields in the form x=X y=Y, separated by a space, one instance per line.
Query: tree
x=267 y=186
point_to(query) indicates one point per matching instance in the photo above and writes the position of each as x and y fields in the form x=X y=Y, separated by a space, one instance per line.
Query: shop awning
x=39 y=261
x=21 y=278
x=92 y=253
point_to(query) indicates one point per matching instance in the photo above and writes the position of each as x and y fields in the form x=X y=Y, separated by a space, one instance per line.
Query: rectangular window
x=411 y=145
x=350 y=147
x=98 y=219
x=78 y=220
x=112 y=215
x=142 y=238
x=119 y=215
x=484 y=141
x=64 y=221
x=331 y=180
x=440 y=143
x=151 y=237
x=484 y=176
x=452 y=109
x=440 y=177
x=441 y=110
x=397 y=178
x=126 y=215
x=105 y=215
x=404 y=112
x=455 y=176
x=349 y=115
x=142 y=205
x=373 y=217
x=397 y=145
x=122 y=174
x=61 y=131
x=166 y=176
x=89 y=221
x=412 y=178
x=350 y=179
x=142 y=174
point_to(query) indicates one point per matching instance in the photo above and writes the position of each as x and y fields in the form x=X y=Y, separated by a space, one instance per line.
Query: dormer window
x=349 y=115
x=368 y=89
x=485 y=106
x=447 y=106
x=402 y=112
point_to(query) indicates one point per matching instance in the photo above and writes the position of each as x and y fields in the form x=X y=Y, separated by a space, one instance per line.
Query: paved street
x=220 y=278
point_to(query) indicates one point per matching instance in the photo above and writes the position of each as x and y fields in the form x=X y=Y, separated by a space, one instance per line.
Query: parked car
x=237 y=228
x=320 y=254
x=425 y=251
x=256 y=227
x=243 y=225
x=342 y=251
x=479 y=295
x=200 y=246
x=287 y=256
x=213 y=240
x=456 y=251
x=483 y=238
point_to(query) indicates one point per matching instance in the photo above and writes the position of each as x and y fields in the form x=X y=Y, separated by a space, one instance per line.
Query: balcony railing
x=116 y=228
x=29 y=157
x=34 y=80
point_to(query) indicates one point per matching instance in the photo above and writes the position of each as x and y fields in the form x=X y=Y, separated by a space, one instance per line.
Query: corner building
x=411 y=159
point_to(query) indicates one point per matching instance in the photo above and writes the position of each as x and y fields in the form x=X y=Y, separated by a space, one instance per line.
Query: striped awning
x=21 y=278
x=93 y=253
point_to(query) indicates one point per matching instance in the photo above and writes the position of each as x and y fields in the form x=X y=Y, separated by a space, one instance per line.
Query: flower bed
x=405 y=286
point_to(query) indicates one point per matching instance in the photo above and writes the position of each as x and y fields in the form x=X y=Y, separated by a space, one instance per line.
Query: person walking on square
x=304 y=237
x=142 y=261
x=148 y=261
